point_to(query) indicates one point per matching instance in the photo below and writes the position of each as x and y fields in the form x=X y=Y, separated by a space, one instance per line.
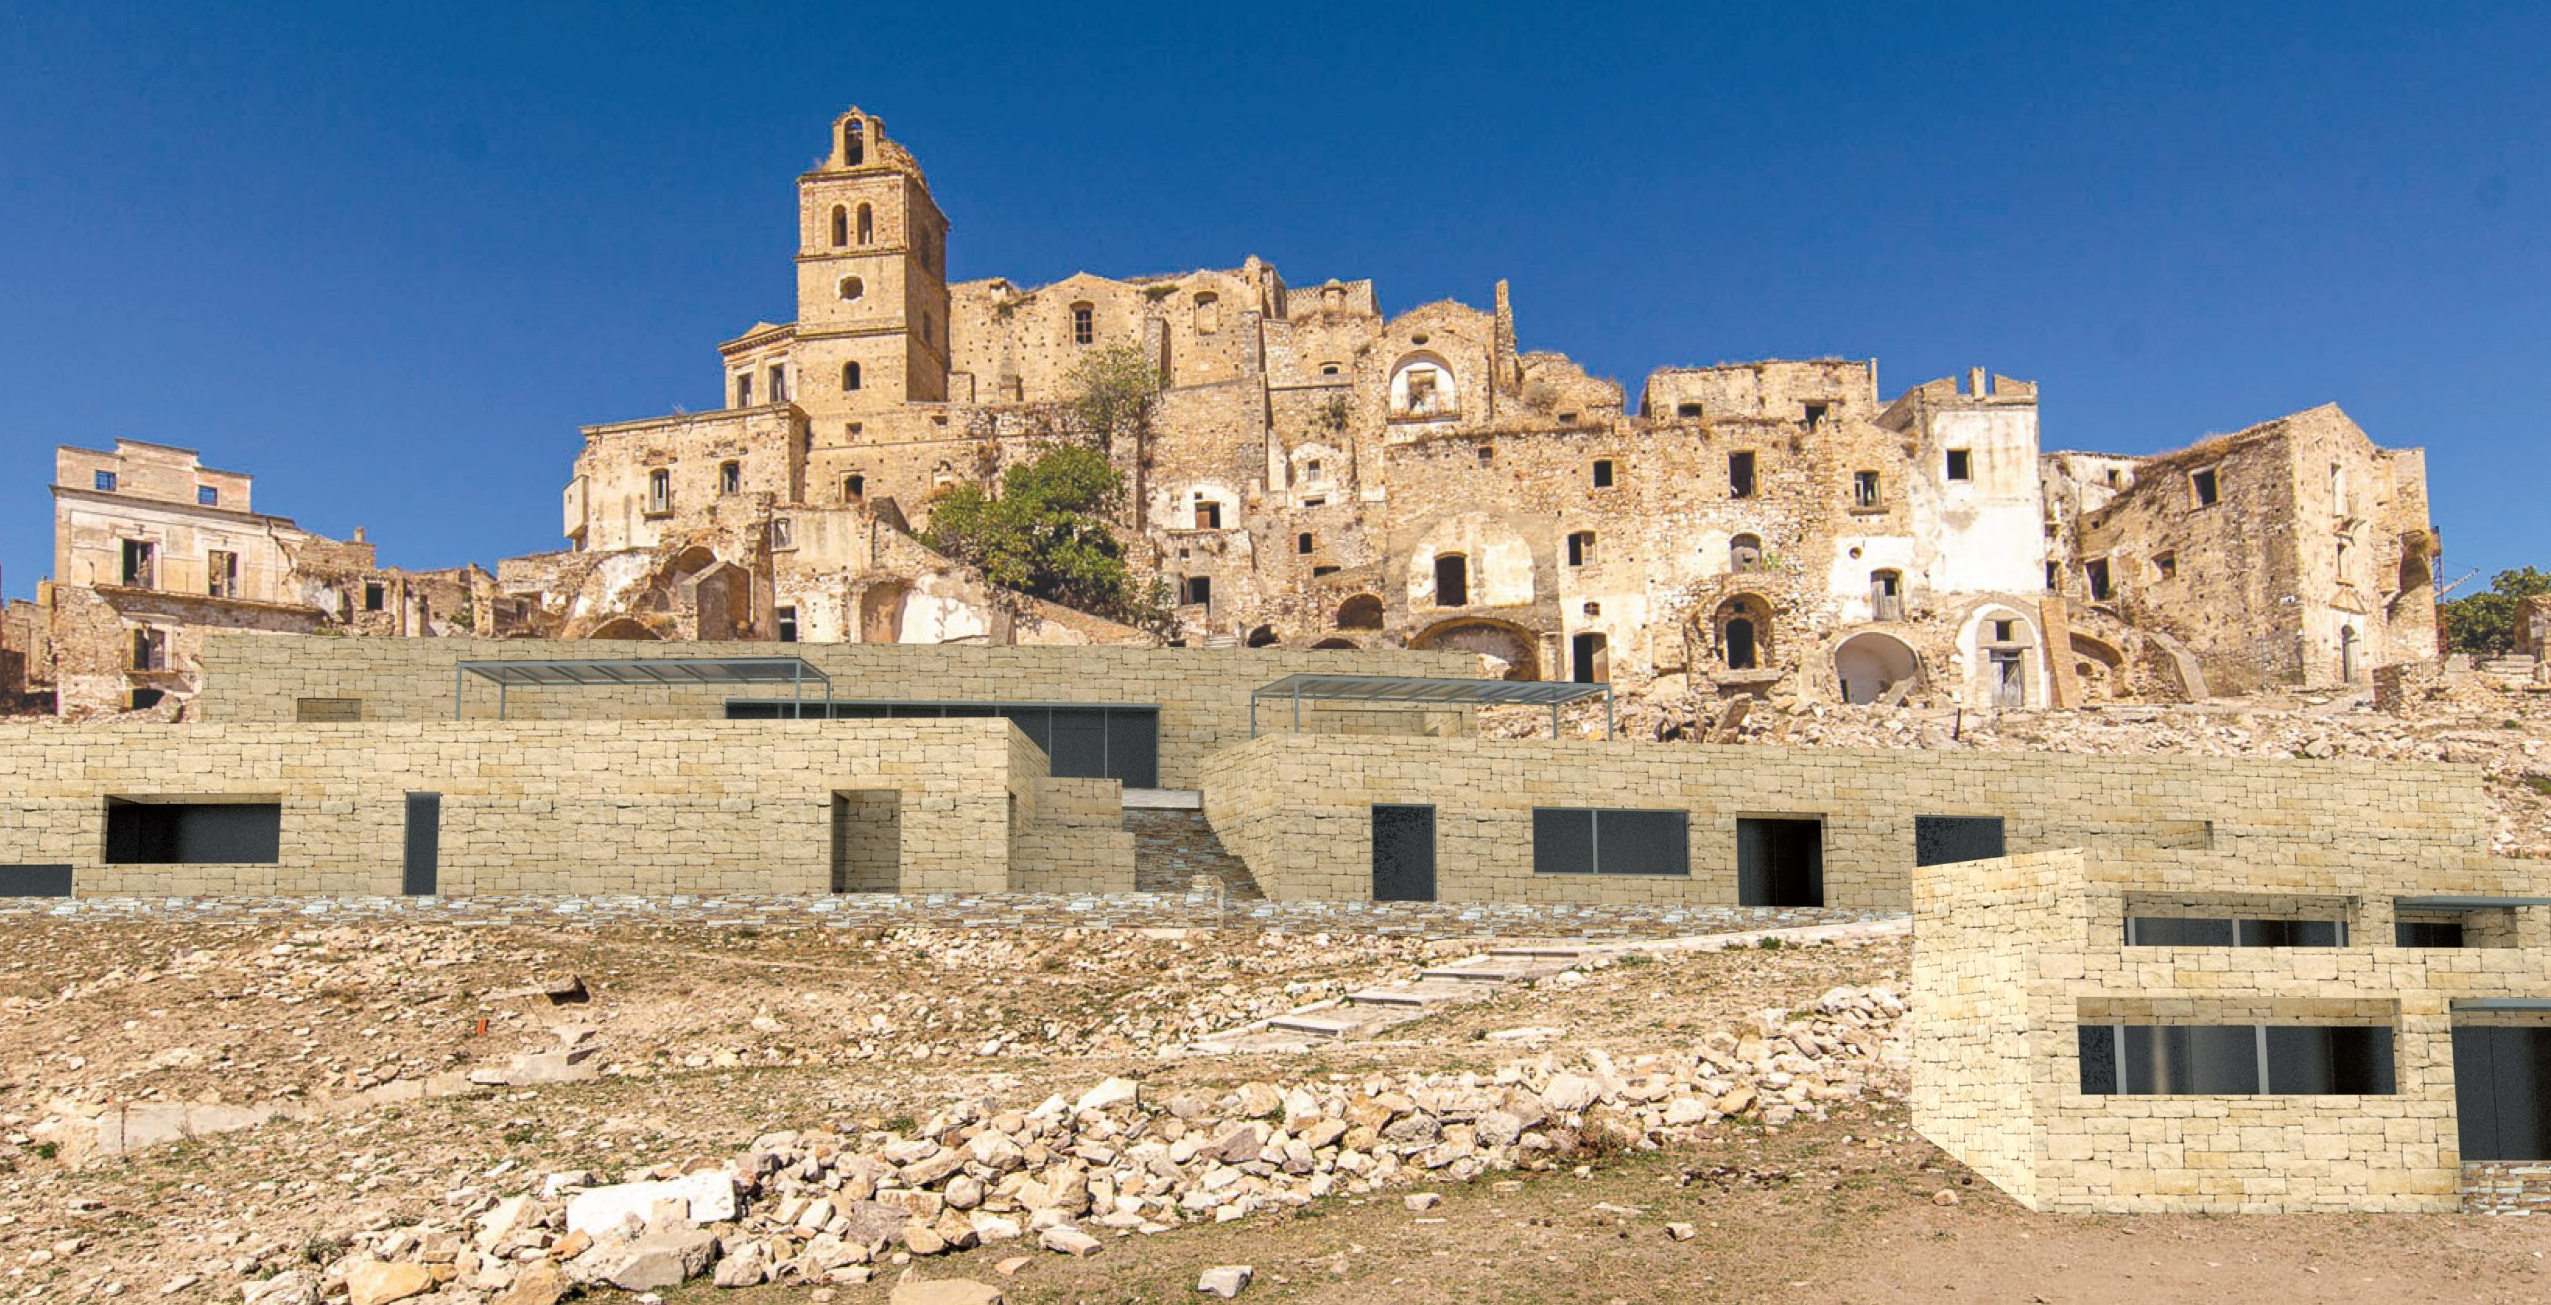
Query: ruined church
x=1316 y=473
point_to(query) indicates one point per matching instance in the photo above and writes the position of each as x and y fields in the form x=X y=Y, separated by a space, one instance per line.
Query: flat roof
x=648 y=670
x=1418 y=688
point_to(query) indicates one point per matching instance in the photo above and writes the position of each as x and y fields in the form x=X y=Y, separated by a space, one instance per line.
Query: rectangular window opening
x=2202 y=484
x=1603 y=473
x=1780 y=862
x=2236 y=1060
x=1961 y=465
x=207 y=832
x=1740 y=474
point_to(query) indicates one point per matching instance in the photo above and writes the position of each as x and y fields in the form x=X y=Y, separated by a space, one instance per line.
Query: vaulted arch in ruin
x=1335 y=643
x=1873 y=667
x=1739 y=633
x=1361 y=612
x=625 y=627
x=1512 y=644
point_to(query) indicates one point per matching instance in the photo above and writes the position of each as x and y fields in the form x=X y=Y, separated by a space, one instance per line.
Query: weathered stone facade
x=153 y=552
x=1318 y=474
x=2014 y=957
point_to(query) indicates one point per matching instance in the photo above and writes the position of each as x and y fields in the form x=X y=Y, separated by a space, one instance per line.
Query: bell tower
x=872 y=277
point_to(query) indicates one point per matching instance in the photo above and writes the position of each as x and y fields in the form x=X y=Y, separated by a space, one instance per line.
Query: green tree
x=1047 y=535
x=2484 y=624
x=1110 y=392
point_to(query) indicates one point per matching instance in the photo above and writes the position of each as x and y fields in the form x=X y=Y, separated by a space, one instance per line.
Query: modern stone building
x=2257 y=1030
x=1318 y=473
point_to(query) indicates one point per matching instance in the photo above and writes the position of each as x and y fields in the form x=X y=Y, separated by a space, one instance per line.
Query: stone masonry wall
x=1203 y=694
x=530 y=806
x=1297 y=809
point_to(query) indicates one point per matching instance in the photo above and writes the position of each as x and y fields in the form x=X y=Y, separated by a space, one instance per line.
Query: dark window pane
x=1079 y=746
x=2426 y=933
x=1133 y=747
x=2099 y=1059
x=1941 y=840
x=1642 y=843
x=2192 y=1059
x=1562 y=841
x=2321 y=1061
x=2290 y=933
x=2177 y=931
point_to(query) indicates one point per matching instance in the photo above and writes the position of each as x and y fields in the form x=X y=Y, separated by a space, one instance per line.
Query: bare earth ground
x=714 y=1035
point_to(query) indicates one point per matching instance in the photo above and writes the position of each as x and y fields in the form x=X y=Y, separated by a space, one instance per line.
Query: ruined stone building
x=1317 y=473
x=152 y=551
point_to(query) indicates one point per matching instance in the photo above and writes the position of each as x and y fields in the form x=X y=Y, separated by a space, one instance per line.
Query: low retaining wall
x=2506 y=1187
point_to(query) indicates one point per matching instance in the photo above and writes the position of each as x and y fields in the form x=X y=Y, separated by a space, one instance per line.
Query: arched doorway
x=1741 y=632
x=1871 y=666
x=1511 y=644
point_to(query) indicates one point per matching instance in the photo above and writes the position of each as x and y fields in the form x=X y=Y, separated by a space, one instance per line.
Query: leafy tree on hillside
x=1048 y=535
x=1111 y=391
x=2484 y=624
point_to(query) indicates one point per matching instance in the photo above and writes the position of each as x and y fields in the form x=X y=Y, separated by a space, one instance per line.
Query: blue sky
x=389 y=257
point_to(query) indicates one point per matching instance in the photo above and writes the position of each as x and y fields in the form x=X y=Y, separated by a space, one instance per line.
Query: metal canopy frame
x=1428 y=691
x=2466 y=903
x=609 y=672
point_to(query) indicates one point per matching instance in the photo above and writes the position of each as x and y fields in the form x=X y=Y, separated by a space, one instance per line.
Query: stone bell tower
x=872 y=277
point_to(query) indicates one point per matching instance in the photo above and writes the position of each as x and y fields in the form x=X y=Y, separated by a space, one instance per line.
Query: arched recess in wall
x=1422 y=386
x=623 y=628
x=1745 y=554
x=2098 y=665
x=1512 y=644
x=849 y=377
x=1361 y=612
x=1872 y=666
x=867 y=225
x=1740 y=633
x=2002 y=660
x=1334 y=643
x=841 y=226
x=1262 y=637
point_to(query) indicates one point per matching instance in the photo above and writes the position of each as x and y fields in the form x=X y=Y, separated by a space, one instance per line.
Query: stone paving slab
x=1199 y=908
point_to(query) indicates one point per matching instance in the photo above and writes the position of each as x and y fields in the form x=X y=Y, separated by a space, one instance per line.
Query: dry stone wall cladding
x=535 y=806
x=1298 y=809
x=1203 y=694
x=2013 y=956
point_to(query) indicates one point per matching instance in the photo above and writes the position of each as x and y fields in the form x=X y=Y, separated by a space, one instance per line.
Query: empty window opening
x=1084 y=324
x=1423 y=393
x=2054 y=577
x=659 y=491
x=139 y=557
x=144 y=699
x=849 y=376
x=2338 y=489
x=1208 y=513
x=1864 y=489
x=1316 y=501
x=1328 y=369
x=150 y=649
x=1740 y=644
x=2236 y=1060
x=782 y=536
x=2202 y=484
x=1780 y=862
x=1198 y=590
x=1588 y=662
x=2095 y=573
x=1886 y=595
x=1687 y=411
x=2166 y=565
x=1581 y=548
x=1302 y=542
x=2232 y=931
x=779 y=385
x=1961 y=465
x=1324 y=569
x=867 y=225
x=207 y=496
x=853 y=488
x=1487 y=455
x=853 y=143
x=149 y=832
x=841 y=226
x=1745 y=553
x=1603 y=473
x=1208 y=313
x=1610 y=841
x=1944 y=840
x=221 y=574
x=1452 y=580
x=2003 y=631
x=1313 y=472
x=784 y=624
x=106 y=481
x=867 y=840
x=730 y=477
x=1816 y=414
x=376 y=597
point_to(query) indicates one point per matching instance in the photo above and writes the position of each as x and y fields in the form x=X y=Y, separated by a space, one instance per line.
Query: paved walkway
x=1204 y=906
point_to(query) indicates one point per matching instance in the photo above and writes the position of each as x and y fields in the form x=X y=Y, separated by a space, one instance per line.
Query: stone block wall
x=2013 y=956
x=1298 y=809
x=1203 y=694
x=534 y=806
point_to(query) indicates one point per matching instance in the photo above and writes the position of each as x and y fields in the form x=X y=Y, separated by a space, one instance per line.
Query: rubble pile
x=827 y=1206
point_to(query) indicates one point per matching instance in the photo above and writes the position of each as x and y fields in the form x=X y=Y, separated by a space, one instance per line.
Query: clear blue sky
x=389 y=257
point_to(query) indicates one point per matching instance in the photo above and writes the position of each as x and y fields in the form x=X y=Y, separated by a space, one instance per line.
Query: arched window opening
x=849 y=376
x=854 y=143
x=867 y=225
x=1743 y=628
x=1452 y=580
x=841 y=226
x=1745 y=553
x=1362 y=612
x=1208 y=313
x=1740 y=643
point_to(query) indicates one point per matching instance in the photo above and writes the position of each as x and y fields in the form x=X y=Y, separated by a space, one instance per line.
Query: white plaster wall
x=940 y=618
x=1992 y=532
x=1500 y=562
x=1847 y=585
